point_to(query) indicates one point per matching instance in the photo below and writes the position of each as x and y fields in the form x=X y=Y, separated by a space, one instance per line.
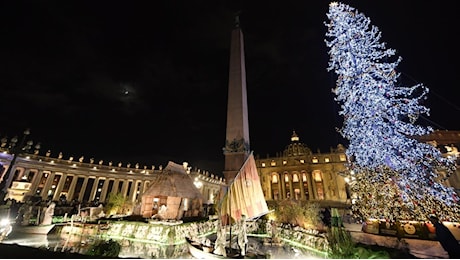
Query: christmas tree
x=394 y=175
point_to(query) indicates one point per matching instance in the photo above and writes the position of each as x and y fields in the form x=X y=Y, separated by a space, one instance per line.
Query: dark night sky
x=146 y=81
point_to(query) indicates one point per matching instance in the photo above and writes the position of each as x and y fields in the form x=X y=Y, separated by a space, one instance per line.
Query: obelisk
x=236 y=148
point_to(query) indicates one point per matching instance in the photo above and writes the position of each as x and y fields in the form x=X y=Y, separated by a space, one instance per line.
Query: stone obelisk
x=236 y=148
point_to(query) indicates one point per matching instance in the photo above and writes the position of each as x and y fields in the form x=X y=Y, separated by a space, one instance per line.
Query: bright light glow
x=4 y=222
x=198 y=183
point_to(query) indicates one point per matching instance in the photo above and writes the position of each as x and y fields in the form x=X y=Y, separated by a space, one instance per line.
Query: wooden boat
x=200 y=251
x=34 y=229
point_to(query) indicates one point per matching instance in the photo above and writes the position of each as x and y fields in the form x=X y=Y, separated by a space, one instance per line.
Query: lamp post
x=15 y=149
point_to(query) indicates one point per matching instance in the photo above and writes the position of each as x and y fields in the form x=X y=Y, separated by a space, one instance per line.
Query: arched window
x=317 y=177
x=295 y=177
x=304 y=177
x=305 y=185
x=274 y=178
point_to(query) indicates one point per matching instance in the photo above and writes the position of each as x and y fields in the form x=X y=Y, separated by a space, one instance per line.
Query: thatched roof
x=174 y=182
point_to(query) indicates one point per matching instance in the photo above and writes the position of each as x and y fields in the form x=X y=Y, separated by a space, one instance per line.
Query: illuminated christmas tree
x=395 y=176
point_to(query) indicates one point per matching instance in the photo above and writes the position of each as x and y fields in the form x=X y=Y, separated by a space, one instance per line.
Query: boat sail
x=244 y=196
x=241 y=200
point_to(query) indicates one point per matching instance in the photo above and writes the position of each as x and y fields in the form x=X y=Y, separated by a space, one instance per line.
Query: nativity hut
x=172 y=195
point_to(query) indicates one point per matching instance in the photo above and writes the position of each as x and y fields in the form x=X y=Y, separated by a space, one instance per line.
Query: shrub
x=306 y=215
x=105 y=248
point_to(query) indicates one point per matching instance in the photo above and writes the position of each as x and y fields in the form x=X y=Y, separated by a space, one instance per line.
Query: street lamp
x=15 y=149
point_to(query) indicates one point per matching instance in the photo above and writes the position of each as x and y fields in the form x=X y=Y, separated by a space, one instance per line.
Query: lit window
x=295 y=178
x=326 y=159
x=317 y=176
x=314 y=160
x=273 y=163
x=286 y=178
x=284 y=162
x=302 y=161
x=274 y=178
x=342 y=157
x=263 y=164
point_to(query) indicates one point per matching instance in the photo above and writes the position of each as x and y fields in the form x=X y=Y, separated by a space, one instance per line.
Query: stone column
x=132 y=191
x=302 y=190
x=283 y=187
x=60 y=186
x=115 y=186
x=280 y=190
x=83 y=189
x=47 y=186
x=124 y=188
x=35 y=181
x=72 y=188
x=92 y=195
x=313 y=187
x=104 y=189
x=141 y=190
x=310 y=186
x=291 y=188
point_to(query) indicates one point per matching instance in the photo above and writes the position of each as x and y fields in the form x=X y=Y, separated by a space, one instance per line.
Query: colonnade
x=81 y=185
x=52 y=179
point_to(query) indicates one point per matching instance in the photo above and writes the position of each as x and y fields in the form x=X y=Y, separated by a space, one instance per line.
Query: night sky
x=146 y=81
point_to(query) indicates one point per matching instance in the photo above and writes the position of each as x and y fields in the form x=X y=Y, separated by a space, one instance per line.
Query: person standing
x=446 y=238
x=221 y=241
x=242 y=235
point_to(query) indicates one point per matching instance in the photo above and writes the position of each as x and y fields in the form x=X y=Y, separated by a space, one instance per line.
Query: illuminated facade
x=65 y=179
x=298 y=173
